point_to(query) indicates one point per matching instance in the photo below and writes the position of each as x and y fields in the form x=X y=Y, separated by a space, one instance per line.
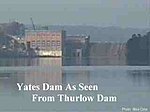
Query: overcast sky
x=124 y=13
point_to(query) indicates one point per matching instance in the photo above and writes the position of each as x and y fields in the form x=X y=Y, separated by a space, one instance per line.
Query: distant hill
x=115 y=34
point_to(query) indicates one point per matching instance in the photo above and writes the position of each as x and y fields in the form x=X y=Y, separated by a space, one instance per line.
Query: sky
x=123 y=13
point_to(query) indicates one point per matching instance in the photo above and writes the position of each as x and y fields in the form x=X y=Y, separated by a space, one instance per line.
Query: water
x=101 y=61
x=131 y=85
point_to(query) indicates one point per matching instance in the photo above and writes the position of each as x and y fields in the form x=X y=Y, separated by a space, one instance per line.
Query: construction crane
x=32 y=24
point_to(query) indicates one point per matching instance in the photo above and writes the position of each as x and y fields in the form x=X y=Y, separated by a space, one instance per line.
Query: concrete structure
x=45 y=43
x=107 y=53
x=77 y=46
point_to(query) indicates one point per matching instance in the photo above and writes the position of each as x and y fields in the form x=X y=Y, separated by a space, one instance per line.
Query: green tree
x=1 y=31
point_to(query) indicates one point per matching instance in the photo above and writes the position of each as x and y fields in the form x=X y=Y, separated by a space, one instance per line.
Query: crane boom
x=32 y=24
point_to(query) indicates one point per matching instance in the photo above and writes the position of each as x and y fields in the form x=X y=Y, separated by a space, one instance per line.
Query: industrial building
x=57 y=44
x=77 y=46
x=45 y=42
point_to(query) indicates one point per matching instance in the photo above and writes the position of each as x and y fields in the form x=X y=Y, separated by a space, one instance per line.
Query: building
x=77 y=46
x=45 y=42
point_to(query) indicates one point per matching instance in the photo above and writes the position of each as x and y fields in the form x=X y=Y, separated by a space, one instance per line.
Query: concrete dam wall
x=108 y=54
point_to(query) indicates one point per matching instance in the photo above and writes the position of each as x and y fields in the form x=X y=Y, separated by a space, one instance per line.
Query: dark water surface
x=131 y=85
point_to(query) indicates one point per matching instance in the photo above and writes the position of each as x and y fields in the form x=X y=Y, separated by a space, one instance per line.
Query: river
x=130 y=84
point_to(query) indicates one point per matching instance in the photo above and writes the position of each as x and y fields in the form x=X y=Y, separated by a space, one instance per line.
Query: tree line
x=138 y=49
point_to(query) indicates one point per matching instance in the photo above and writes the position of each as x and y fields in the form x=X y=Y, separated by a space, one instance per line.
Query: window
x=53 y=34
x=58 y=43
x=53 y=43
x=48 y=43
x=43 y=43
x=33 y=43
x=58 y=35
x=38 y=43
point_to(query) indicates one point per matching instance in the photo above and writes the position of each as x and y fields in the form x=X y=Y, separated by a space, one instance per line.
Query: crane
x=32 y=24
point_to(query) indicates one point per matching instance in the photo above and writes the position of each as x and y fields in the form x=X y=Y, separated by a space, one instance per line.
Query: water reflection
x=126 y=84
x=64 y=61
x=93 y=61
x=112 y=80
x=57 y=75
x=76 y=77
x=30 y=61
x=49 y=70
x=140 y=77
x=76 y=61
